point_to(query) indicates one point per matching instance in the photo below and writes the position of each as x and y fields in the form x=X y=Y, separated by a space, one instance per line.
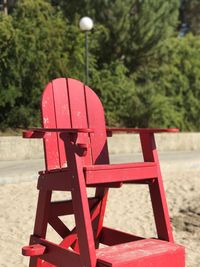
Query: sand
x=128 y=209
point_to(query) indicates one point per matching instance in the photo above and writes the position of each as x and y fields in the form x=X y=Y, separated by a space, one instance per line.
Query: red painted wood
x=57 y=255
x=76 y=154
x=142 y=253
x=69 y=240
x=102 y=193
x=41 y=222
x=59 y=226
x=49 y=121
x=141 y=130
x=36 y=262
x=55 y=181
x=81 y=206
x=96 y=121
x=62 y=113
x=46 y=264
x=44 y=133
x=79 y=112
x=95 y=211
x=156 y=188
x=42 y=213
x=33 y=250
x=61 y=208
x=111 y=237
x=127 y=172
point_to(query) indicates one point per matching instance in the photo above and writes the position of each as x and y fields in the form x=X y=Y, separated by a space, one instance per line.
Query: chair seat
x=112 y=173
x=142 y=253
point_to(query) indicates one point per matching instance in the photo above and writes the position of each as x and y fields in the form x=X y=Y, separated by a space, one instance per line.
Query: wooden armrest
x=40 y=132
x=110 y=131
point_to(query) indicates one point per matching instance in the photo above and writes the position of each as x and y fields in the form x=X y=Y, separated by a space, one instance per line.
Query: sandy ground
x=128 y=208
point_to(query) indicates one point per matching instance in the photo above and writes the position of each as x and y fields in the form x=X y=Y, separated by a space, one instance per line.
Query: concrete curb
x=16 y=148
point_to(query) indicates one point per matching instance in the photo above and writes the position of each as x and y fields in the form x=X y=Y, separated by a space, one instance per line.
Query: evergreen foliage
x=144 y=74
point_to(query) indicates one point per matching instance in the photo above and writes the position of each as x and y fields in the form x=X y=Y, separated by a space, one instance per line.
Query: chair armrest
x=40 y=132
x=110 y=131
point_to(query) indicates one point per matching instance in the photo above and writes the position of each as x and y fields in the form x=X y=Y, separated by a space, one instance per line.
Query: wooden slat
x=59 y=226
x=96 y=177
x=62 y=113
x=57 y=255
x=69 y=240
x=119 y=166
x=49 y=121
x=58 y=180
x=142 y=130
x=111 y=237
x=99 y=150
x=145 y=253
x=78 y=112
x=42 y=214
x=61 y=208
x=81 y=208
x=96 y=120
x=106 y=185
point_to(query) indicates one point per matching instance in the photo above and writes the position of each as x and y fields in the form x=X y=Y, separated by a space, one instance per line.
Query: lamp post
x=86 y=25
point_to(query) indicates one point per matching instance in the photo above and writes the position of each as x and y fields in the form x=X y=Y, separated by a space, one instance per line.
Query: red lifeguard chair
x=76 y=156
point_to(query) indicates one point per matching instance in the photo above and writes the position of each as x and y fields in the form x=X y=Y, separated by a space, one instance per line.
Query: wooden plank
x=99 y=150
x=59 y=226
x=106 y=185
x=71 y=241
x=81 y=208
x=42 y=213
x=156 y=188
x=79 y=113
x=49 y=121
x=57 y=255
x=142 y=130
x=111 y=237
x=142 y=253
x=41 y=221
x=59 y=180
x=136 y=173
x=61 y=208
x=62 y=113
x=96 y=120
x=119 y=166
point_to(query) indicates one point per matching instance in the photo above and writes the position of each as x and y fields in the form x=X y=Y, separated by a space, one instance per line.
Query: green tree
x=117 y=93
x=134 y=29
x=9 y=78
x=46 y=47
x=171 y=89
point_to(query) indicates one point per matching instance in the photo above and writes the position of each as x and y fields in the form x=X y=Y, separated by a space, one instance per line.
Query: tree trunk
x=5 y=6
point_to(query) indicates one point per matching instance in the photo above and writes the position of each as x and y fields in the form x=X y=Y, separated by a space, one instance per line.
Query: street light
x=86 y=25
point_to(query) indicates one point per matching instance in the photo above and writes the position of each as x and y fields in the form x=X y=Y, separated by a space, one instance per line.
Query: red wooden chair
x=76 y=156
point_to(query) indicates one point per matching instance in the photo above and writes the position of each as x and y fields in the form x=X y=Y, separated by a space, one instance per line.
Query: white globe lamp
x=86 y=24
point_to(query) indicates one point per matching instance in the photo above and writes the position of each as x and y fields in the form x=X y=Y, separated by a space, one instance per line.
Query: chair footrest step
x=33 y=250
x=142 y=253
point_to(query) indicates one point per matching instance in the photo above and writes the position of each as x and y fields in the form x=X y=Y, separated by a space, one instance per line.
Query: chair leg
x=156 y=188
x=82 y=216
x=35 y=262
x=41 y=221
x=80 y=203
x=160 y=210
x=101 y=193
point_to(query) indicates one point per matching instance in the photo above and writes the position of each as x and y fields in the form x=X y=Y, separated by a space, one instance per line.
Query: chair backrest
x=68 y=103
